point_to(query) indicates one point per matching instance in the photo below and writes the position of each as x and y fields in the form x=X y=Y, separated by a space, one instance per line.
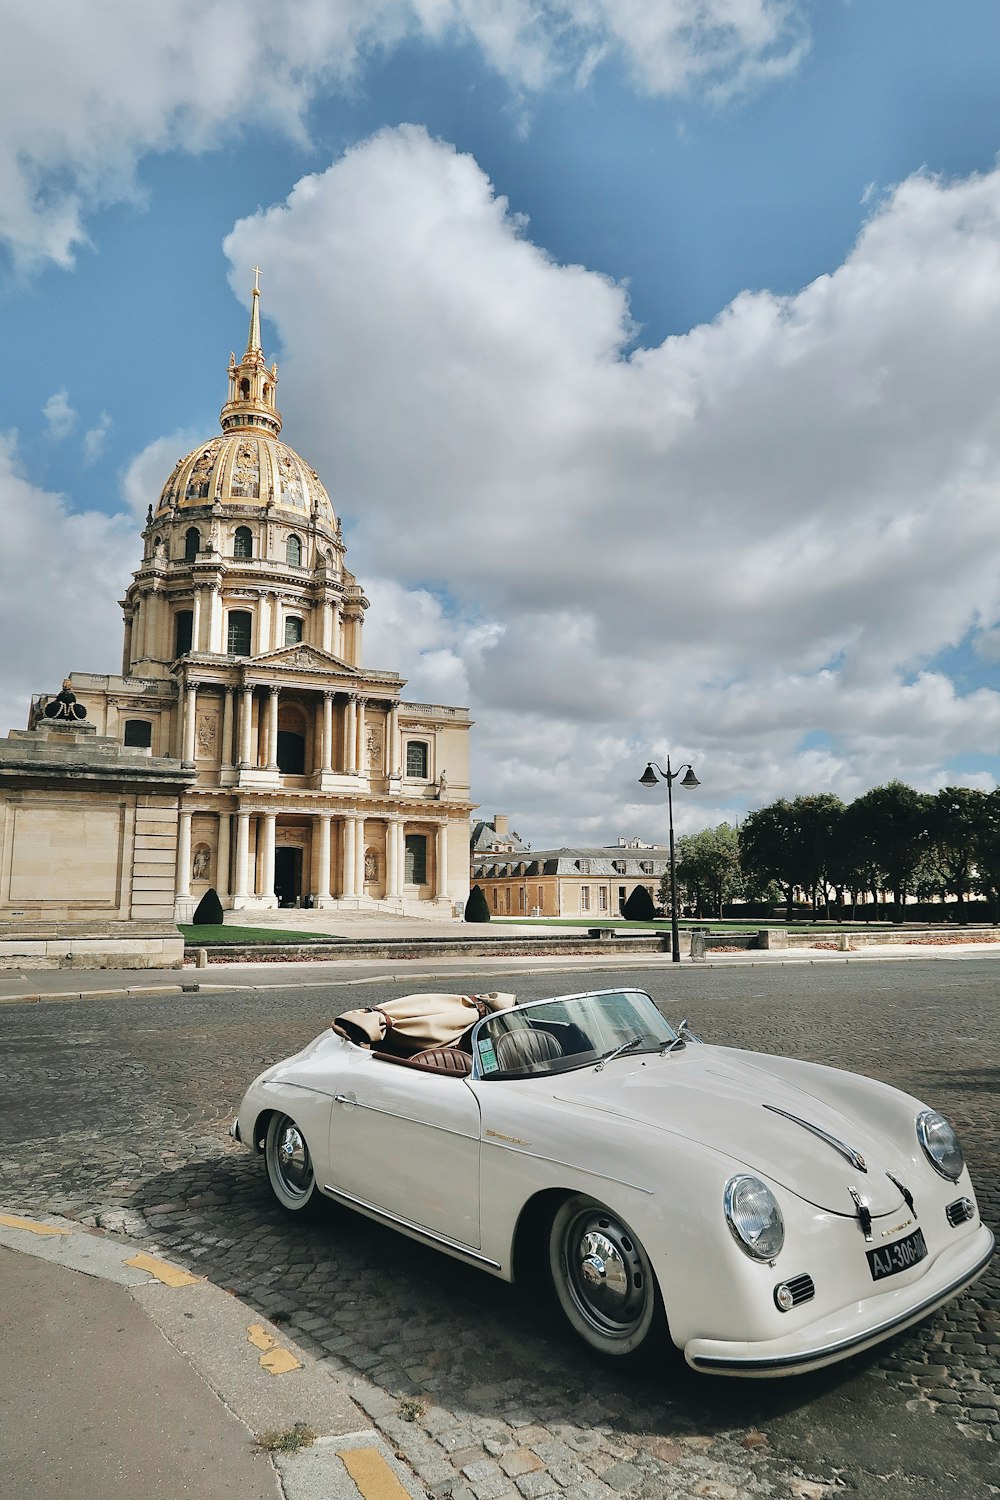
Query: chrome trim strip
x=397 y=1219
x=912 y=1315
x=847 y=1152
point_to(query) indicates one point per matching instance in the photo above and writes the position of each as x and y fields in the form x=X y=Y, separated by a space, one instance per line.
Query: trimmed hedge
x=208 y=912
x=476 y=909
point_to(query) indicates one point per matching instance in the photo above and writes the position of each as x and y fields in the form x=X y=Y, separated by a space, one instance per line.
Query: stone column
x=347 y=880
x=392 y=739
x=138 y=627
x=246 y=726
x=267 y=858
x=263 y=623
x=326 y=625
x=441 y=861
x=351 y=735
x=222 y=856
x=127 y=648
x=215 y=619
x=196 y=621
x=323 y=882
x=326 y=757
x=183 y=883
x=276 y=639
x=359 y=856
x=401 y=853
x=190 y=716
x=242 y=855
x=337 y=632
x=391 y=861
x=226 y=754
x=361 y=758
x=272 y=730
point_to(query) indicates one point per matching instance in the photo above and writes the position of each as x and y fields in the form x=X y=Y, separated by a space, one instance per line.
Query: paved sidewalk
x=122 y=1375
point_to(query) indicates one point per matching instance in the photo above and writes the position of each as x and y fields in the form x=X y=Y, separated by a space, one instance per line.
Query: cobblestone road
x=115 y=1112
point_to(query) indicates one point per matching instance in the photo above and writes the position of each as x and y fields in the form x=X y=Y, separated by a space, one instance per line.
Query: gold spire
x=251 y=404
x=253 y=337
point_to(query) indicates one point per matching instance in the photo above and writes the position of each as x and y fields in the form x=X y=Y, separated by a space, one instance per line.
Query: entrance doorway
x=288 y=876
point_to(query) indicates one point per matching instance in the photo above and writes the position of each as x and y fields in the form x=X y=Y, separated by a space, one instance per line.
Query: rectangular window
x=541 y=897
x=239 y=624
x=496 y=898
x=293 y=630
x=506 y=899
x=602 y=897
x=416 y=759
x=416 y=859
x=585 y=898
x=622 y=893
x=139 y=732
x=182 y=632
x=520 y=899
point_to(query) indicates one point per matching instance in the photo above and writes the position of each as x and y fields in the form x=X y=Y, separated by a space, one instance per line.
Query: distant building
x=567 y=882
x=496 y=837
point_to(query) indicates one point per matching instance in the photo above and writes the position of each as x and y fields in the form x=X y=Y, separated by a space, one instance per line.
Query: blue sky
x=786 y=574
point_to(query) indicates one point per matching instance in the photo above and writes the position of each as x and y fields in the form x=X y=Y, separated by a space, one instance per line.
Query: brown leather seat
x=448 y=1060
x=520 y=1050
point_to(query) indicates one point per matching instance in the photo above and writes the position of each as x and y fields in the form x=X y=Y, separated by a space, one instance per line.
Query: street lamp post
x=650 y=778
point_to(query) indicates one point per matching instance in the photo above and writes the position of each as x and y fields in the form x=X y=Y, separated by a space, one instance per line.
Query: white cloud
x=95 y=438
x=61 y=576
x=59 y=415
x=149 y=471
x=86 y=92
x=755 y=534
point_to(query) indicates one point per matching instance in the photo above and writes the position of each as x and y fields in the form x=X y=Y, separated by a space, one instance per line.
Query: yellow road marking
x=275 y=1360
x=162 y=1270
x=371 y=1474
x=13 y=1222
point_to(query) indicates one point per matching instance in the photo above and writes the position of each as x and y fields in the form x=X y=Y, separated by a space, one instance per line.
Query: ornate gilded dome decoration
x=247 y=465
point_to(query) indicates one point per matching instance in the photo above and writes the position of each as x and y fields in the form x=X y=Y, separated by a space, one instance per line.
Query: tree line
x=892 y=843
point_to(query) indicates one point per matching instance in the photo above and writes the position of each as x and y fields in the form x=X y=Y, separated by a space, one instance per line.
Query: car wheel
x=603 y=1280
x=289 y=1165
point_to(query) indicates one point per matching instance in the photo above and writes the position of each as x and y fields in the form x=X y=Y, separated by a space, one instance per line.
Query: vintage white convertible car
x=771 y=1215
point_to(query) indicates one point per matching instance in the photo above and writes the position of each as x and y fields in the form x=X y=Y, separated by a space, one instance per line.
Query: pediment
x=306 y=659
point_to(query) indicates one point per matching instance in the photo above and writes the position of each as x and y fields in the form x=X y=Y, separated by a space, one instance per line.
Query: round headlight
x=940 y=1144
x=754 y=1217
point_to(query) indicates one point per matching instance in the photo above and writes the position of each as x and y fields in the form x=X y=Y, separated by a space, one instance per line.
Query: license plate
x=889 y=1260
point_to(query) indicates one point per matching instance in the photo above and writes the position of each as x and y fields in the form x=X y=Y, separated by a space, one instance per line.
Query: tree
x=476 y=909
x=959 y=822
x=639 y=905
x=708 y=868
x=889 y=830
x=208 y=912
x=769 y=843
x=818 y=820
x=986 y=850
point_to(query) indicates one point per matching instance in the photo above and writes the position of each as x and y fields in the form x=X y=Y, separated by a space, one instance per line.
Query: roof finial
x=253 y=338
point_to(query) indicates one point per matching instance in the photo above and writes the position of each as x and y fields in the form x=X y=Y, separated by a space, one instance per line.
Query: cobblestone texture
x=116 y=1113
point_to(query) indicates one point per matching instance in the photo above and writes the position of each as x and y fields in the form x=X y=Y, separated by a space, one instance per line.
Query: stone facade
x=592 y=883
x=311 y=780
x=88 y=850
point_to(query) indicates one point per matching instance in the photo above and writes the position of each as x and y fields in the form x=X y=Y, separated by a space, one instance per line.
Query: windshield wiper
x=684 y=1035
x=633 y=1041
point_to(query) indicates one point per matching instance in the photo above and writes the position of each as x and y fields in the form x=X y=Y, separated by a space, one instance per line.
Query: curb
x=260 y=1375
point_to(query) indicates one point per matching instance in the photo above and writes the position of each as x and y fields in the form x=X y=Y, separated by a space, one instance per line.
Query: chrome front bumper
x=850 y=1330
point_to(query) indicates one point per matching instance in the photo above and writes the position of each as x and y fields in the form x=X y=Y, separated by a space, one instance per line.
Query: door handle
x=345 y=1099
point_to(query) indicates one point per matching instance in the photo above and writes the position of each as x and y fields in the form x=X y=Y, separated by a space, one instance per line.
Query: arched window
x=192 y=543
x=183 y=622
x=243 y=542
x=416 y=758
x=239 y=625
x=139 y=732
x=245 y=389
x=293 y=630
x=293 y=552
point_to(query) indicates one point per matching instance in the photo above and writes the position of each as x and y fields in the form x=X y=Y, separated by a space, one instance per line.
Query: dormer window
x=293 y=552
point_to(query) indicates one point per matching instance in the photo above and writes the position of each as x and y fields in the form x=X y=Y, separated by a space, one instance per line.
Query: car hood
x=732 y=1106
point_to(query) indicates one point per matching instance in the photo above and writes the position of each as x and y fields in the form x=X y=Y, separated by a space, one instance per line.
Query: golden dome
x=247 y=469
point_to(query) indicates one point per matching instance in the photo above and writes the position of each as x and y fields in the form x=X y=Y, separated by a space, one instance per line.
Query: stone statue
x=64 y=707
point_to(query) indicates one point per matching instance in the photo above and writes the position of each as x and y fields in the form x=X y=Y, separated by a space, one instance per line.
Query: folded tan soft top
x=419 y=1020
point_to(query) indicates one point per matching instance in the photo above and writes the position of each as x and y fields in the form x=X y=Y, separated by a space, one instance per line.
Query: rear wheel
x=289 y=1165
x=604 y=1281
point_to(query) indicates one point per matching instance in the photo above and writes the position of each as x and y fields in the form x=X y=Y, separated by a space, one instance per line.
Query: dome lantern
x=251 y=406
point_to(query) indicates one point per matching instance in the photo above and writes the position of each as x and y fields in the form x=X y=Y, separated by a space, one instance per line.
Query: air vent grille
x=960 y=1211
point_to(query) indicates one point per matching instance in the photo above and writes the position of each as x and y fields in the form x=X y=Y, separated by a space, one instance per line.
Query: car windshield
x=553 y=1036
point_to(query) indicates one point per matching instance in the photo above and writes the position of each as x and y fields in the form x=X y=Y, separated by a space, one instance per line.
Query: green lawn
x=204 y=937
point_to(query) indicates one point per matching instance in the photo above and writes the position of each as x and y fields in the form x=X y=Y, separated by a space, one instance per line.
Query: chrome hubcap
x=293 y=1160
x=605 y=1273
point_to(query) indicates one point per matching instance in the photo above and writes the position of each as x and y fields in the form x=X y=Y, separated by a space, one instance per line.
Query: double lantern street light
x=650 y=778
